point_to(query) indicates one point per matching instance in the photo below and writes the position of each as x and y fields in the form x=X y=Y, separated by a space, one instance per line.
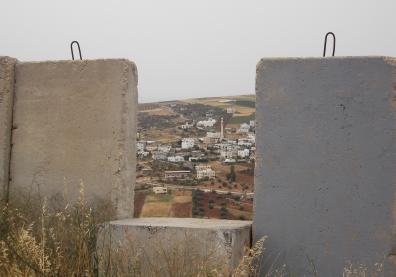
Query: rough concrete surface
x=7 y=80
x=75 y=121
x=194 y=240
x=326 y=163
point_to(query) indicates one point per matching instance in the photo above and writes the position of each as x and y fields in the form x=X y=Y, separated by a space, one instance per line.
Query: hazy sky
x=186 y=48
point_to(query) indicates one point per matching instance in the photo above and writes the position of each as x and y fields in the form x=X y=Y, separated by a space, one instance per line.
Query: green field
x=245 y=103
x=152 y=197
x=242 y=119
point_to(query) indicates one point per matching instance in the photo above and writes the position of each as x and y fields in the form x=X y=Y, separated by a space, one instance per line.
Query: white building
x=197 y=153
x=243 y=153
x=252 y=123
x=194 y=159
x=229 y=145
x=210 y=122
x=205 y=171
x=164 y=148
x=151 y=148
x=140 y=146
x=230 y=142
x=228 y=154
x=158 y=155
x=229 y=161
x=230 y=110
x=143 y=154
x=160 y=189
x=252 y=137
x=245 y=142
x=178 y=174
x=176 y=159
x=208 y=140
x=244 y=128
x=187 y=126
x=187 y=143
x=213 y=135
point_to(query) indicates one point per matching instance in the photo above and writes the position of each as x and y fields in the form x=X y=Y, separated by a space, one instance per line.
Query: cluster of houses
x=194 y=153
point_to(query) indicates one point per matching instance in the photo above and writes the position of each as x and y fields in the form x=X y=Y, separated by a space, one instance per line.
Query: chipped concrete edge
x=391 y=61
x=125 y=180
x=7 y=81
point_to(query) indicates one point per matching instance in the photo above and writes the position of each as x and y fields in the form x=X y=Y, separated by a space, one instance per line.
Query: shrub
x=232 y=175
x=35 y=245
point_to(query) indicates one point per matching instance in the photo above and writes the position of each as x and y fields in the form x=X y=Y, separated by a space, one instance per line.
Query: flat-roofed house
x=205 y=171
x=178 y=174
x=160 y=189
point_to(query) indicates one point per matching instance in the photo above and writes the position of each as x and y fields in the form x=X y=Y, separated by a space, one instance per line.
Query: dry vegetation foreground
x=38 y=240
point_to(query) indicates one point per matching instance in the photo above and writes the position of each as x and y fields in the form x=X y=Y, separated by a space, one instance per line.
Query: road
x=237 y=193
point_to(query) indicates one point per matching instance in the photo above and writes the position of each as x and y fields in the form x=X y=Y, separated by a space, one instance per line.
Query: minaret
x=221 y=129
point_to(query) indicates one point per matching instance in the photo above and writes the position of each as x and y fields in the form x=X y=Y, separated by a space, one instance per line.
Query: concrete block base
x=171 y=244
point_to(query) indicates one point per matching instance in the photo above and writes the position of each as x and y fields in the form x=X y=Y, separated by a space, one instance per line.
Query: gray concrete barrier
x=172 y=246
x=75 y=121
x=7 y=80
x=326 y=163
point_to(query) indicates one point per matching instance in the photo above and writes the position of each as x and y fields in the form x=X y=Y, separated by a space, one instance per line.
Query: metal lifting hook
x=325 y=43
x=71 y=49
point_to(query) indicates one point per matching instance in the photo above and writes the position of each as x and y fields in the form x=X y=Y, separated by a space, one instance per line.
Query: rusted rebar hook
x=325 y=43
x=71 y=49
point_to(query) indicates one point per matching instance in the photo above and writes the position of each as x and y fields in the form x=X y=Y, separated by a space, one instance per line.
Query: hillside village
x=196 y=158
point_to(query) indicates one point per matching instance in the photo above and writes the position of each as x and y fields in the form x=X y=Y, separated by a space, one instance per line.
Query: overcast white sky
x=186 y=49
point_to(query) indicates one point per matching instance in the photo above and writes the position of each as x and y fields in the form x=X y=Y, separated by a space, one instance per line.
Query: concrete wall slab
x=75 y=121
x=326 y=163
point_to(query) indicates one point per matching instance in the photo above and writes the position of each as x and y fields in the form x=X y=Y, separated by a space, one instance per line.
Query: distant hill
x=241 y=108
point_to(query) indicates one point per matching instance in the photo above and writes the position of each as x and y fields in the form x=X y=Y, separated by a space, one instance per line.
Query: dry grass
x=237 y=213
x=56 y=243
x=250 y=265
x=163 y=110
x=360 y=270
x=166 y=135
x=156 y=209
x=38 y=240
x=182 y=199
x=168 y=205
x=157 y=258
